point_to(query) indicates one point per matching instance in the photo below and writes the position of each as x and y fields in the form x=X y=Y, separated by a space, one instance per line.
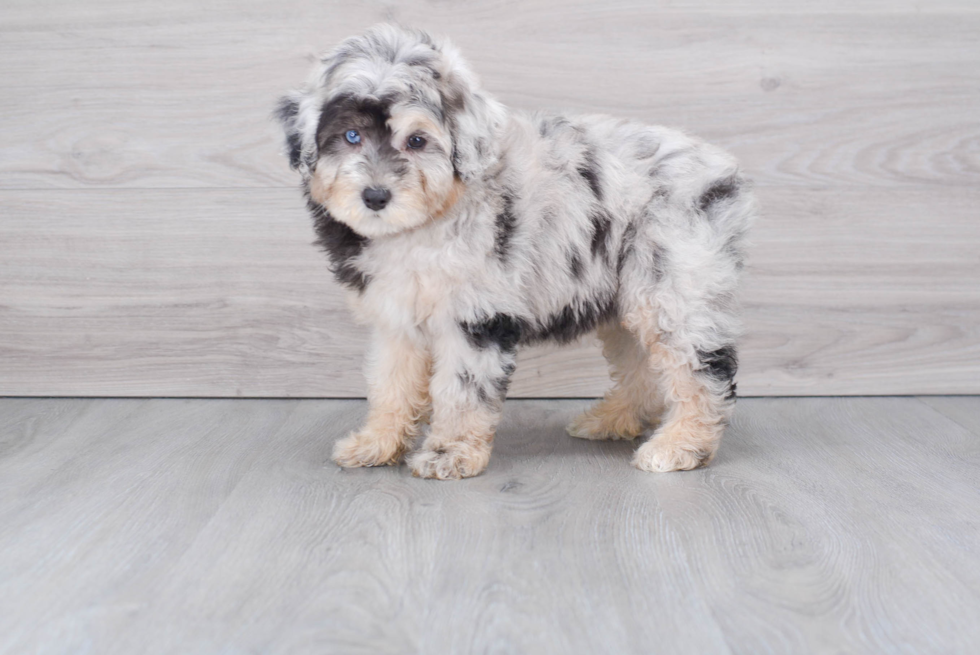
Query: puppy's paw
x=366 y=448
x=660 y=456
x=451 y=461
x=602 y=422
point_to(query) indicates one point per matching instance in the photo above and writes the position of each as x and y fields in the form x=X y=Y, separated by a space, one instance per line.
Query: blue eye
x=352 y=136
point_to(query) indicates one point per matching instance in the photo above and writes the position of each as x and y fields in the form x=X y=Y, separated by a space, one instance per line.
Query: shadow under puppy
x=465 y=230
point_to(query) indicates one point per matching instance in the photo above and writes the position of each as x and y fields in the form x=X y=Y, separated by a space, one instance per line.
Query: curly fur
x=508 y=228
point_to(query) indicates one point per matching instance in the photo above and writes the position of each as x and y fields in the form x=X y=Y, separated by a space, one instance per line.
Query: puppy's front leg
x=469 y=384
x=397 y=371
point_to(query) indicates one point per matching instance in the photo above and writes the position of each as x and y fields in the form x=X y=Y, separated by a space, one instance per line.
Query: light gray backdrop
x=154 y=242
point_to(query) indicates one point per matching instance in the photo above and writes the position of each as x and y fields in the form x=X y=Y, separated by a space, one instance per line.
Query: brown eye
x=415 y=142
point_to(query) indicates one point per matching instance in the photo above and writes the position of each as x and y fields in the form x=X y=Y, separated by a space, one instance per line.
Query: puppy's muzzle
x=376 y=198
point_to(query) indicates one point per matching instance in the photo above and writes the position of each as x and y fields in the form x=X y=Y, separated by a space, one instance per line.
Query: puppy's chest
x=433 y=291
x=412 y=294
x=427 y=278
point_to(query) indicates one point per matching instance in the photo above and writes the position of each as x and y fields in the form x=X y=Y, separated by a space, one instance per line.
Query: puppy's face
x=383 y=166
x=389 y=128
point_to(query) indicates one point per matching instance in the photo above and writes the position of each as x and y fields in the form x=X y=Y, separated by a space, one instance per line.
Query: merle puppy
x=465 y=230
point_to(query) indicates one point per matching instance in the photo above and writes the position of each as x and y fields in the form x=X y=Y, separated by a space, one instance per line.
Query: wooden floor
x=207 y=526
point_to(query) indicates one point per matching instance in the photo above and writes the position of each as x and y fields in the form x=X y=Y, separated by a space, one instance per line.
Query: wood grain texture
x=218 y=292
x=161 y=526
x=812 y=99
x=152 y=241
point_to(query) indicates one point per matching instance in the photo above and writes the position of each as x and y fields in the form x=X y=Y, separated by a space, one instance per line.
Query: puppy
x=465 y=230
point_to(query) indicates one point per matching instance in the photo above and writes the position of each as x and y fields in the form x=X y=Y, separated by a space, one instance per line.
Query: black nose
x=376 y=198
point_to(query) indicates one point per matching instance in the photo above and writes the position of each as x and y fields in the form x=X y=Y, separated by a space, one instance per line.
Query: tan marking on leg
x=612 y=418
x=695 y=420
x=457 y=448
x=697 y=413
x=399 y=406
x=634 y=403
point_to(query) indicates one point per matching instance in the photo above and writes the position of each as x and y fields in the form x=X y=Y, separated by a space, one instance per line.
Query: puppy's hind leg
x=679 y=300
x=634 y=402
x=700 y=398
x=398 y=370
x=696 y=361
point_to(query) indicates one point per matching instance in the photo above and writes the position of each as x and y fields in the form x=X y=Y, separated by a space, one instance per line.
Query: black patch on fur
x=721 y=364
x=295 y=145
x=341 y=243
x=572 y=321
x=467 y=379
x=600 y=233
x=575 y=265
x=453 y=99
x=589 y=171
x=500 y=386
x=345 y=112
x=286 y=113
x=287 y=109
x=454 y=157
x=507 y=332
x=500 y=330
x=720 y=190
x=506 y=223
x=626 y=246
x=367 y=115
x=659 y=256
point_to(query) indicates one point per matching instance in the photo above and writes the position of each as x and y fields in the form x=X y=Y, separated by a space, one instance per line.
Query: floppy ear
x=294 y=113
x=287 y=112
x=298 y=112
x=475 y=119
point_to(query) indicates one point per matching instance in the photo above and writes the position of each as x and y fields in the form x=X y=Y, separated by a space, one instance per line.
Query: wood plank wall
x=153 y=241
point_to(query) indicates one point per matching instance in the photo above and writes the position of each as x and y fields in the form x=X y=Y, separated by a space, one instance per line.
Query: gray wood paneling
x=203 y=526
x=152 y=241
x=218 y=292
x=806 y=99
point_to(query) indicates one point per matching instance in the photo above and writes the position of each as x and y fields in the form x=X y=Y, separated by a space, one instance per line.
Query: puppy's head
x=389 y=129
